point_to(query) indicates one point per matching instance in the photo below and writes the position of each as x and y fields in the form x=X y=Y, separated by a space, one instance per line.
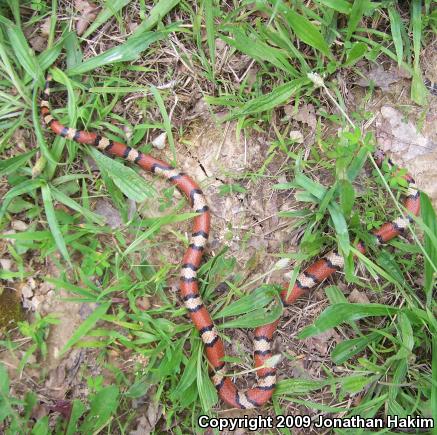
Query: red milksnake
x=312 y=276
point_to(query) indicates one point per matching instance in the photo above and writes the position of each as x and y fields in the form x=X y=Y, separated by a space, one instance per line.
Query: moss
x=10 y=309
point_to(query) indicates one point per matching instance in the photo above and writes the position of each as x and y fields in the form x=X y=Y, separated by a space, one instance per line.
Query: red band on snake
x=313 y=275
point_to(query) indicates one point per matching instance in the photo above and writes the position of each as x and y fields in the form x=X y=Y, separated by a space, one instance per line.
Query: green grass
x=388 y=352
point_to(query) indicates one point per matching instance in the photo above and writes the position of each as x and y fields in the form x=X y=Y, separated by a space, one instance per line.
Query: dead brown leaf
x=381 y=78
x=111 y=215
x=357 y=297
x=321 y=342
x=305 y=114
x=38 y=43
x=147 y=422
x=409 y=147
x=87 y=12
x=400 y=136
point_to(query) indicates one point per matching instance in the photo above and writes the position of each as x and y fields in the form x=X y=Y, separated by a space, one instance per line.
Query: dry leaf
x=38 y=43
x=147 y=423
x=109 y=213
x=399 y=136
x=87 y=12
x=410 y=148
x=305 y=114
x=357 y=297
x=321 y=342
x=380 y=77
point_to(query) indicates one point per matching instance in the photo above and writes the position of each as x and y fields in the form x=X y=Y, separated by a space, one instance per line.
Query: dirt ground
x=211 y=152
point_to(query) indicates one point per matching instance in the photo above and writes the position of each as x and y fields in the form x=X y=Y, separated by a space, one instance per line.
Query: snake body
x=313 y=275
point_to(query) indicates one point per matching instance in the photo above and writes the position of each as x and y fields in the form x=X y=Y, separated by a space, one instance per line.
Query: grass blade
x=11 y=165
x=340 y=226
x=24 y=187
x=53 y=222
x=23 y=52
x=395 y=24
x=9 y=69
x=258 y=298
x=257 y=49
x=336 y=314
x=127 y=52
x=357 y=51
x=308 y=33
x=165 y=119
x=72 y=48
x=207 y=392
x=355 y=16
x=278 y=96
x=61 y=77
x=418 y=89
x=430 y=220
x=71 y=203
x=126 y=179
x=255 y=318
x=434 y=377
x=159 y=11
x=210 y=31
x=341 y=6
x=86 y=326
x=157 y=223
x=38 y=129
x=110 y=8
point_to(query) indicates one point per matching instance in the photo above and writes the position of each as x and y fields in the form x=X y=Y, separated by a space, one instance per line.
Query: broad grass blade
x=127 y=52
x=111 y=7
x=430 y=220
x=86 y=326
x=126 y=179
x=159 y=11
x=308 y=32
x=53 y=222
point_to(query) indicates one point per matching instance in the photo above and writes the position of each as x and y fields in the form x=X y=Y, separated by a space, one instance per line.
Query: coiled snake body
x=312 y=276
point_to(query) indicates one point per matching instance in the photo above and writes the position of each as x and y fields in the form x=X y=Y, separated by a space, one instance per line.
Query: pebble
x=19 y=225
x=159 y=141
x=26 y=291
x=5 y=263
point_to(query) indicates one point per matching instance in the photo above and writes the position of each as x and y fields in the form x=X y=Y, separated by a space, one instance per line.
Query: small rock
x=296 y=136
x=36 y=302
x=45 y=308
x=45 y=27
x=201 y=106
x=220 y=44
x=31 y=359
x=26 y=291
x=19 y=225
x=45 y=287
x=143 y=303
x=159 y=141
x=6 y=264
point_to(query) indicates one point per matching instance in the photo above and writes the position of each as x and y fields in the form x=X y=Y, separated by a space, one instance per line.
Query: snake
x=311 y=277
